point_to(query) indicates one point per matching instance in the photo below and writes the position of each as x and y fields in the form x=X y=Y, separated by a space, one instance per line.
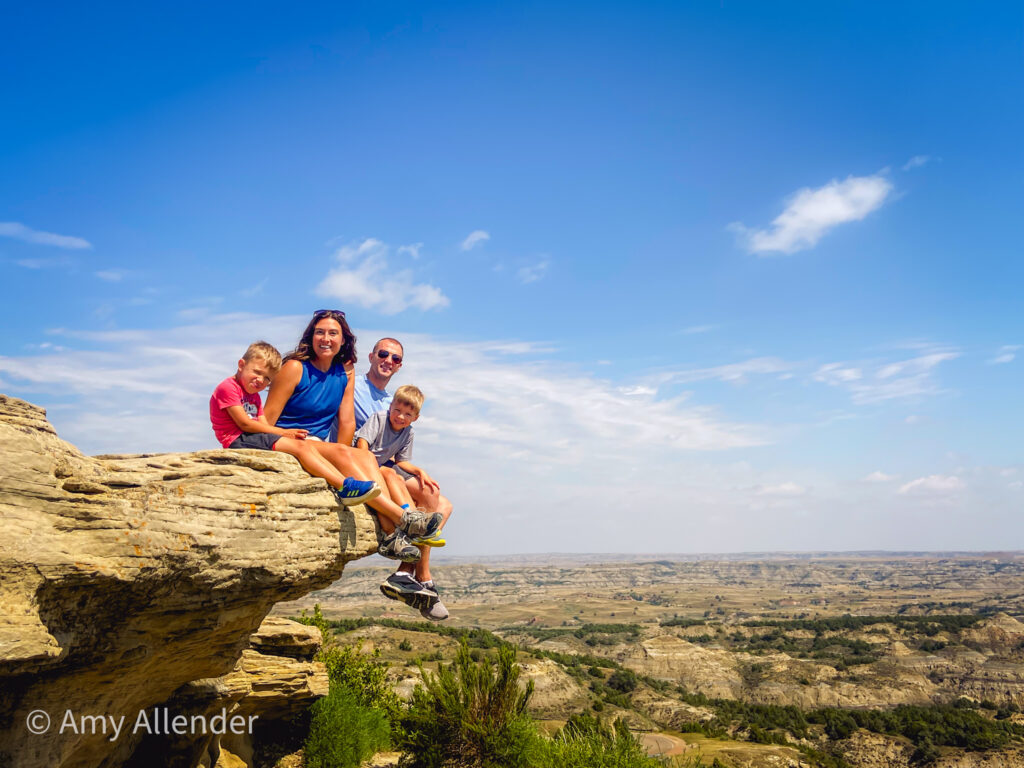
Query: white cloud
x=835 y=373
x=21 y=232
x=915 y=162
x=781 y=489
x=879 y=477
x=695 y=329
x=111 y=275
x=810 y=213
x=413 y=250
x=474 y=239
x=365 y=278
x=912 y=377
x=1006 y=354
x=533 y=272
x=737 y=373
x=933 y=484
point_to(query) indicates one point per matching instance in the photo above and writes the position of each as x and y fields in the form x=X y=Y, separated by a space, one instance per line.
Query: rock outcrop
x=125 y=578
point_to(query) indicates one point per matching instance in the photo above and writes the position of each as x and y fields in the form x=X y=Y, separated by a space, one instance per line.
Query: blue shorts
x=260 y=441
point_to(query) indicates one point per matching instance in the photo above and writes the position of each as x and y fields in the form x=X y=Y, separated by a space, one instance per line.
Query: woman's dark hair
x=304 y=349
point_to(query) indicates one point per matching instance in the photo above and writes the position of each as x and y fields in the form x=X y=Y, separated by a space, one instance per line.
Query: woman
x=312 y=389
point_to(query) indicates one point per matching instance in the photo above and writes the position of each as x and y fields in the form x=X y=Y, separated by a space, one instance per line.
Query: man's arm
x=248 y=424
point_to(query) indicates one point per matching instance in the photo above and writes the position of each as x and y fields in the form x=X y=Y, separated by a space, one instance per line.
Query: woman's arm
x=281 y=389
x=346 y=411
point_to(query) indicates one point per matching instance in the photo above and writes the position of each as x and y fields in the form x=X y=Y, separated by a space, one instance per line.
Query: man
x=412 y=584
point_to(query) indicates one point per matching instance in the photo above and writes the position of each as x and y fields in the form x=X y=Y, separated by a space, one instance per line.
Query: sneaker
x=420 y=525
x=435 y=612
x=354 y=491
x=396 y=546
x=403 y=587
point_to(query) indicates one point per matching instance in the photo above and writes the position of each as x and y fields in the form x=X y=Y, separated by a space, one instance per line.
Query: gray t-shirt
x=385 y=443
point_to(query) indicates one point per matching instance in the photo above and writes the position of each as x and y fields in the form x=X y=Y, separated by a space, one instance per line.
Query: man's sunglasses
x=383 y=355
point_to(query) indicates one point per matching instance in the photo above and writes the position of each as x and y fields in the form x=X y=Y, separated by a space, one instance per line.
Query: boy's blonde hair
x=409 y=395
x=266 y=352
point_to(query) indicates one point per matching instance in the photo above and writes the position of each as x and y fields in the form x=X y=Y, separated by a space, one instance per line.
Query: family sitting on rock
x=347 y=430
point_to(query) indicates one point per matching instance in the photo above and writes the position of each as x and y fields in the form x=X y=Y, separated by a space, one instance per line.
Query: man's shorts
x=260 y=441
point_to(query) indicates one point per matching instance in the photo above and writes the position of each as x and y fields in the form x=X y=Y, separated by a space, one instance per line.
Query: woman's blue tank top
x=314 y=403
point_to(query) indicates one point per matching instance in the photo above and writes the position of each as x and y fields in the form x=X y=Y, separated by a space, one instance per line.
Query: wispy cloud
x=412 y=250
x=364 y=277
x=695 y=329
x=933 y=484
x=111 y=275
x=531 y=273
x=474 y=239
x=810 y=213
x=916 y=162
x=736 y=373
x=21 y=232
x=878 y=381
x=1006 y=354
x=507 y=401
x=879 y=477
x=781 y=489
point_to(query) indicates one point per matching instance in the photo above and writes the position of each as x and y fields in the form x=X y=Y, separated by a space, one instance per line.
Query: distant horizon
x=641 y=557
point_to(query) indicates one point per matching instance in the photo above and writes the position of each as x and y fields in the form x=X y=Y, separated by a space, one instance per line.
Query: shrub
x=622 y=680
x=343 y=733
x=405 y=645
x=586 y=743
x=471 y=714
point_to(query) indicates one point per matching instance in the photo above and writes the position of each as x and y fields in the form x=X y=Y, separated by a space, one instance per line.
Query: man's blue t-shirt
x=368 y=399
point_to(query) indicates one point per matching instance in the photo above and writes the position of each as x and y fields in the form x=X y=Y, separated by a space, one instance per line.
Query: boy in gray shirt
x=388 y=436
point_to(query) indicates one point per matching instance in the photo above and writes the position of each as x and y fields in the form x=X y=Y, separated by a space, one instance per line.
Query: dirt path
x=662 y=745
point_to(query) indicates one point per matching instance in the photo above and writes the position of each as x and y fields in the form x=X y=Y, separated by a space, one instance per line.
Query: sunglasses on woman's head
x=327 y=313
x=383 y=355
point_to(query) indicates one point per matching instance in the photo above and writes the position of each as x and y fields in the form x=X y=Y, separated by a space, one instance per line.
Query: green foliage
x=943 y=725
x=622 y=680
x=363 y=675
x=405 y=645
x=471 y=714
x=679 y=622
x=929 y=625
x=587 y=743
x=343 y=733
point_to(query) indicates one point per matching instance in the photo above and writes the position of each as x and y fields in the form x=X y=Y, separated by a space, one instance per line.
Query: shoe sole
x=413 y=556
x=370 y=495
x=429 y=542
x=416 y=600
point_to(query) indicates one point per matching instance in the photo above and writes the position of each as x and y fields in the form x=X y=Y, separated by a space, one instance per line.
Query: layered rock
x=123 y=578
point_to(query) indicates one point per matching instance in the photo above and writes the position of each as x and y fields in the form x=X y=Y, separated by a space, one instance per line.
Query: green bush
x=343 y=733
x=472 y=715
x=586 y=743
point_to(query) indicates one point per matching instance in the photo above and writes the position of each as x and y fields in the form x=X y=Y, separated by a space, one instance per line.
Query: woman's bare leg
x=310 y=460
x=351 y=464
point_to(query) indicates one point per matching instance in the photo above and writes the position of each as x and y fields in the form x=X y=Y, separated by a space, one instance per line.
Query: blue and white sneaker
x=356 y=491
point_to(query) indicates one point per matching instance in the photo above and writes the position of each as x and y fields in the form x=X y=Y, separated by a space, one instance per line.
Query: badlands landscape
x=750 y=659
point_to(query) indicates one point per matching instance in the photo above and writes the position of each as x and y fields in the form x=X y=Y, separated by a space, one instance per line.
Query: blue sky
x=746 y=274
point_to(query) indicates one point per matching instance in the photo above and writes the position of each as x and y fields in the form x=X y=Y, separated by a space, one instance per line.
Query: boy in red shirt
x=236 y=413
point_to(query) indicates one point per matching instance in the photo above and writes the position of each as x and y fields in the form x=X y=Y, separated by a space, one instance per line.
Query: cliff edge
x=124 y=578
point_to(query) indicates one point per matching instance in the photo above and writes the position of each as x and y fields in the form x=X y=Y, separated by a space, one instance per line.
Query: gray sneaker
x=396 y=546
x=420 y=525
x=437 y=610
x=404 y=588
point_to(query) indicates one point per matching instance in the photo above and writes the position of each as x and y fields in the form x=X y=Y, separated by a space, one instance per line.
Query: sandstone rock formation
x=124 y=578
